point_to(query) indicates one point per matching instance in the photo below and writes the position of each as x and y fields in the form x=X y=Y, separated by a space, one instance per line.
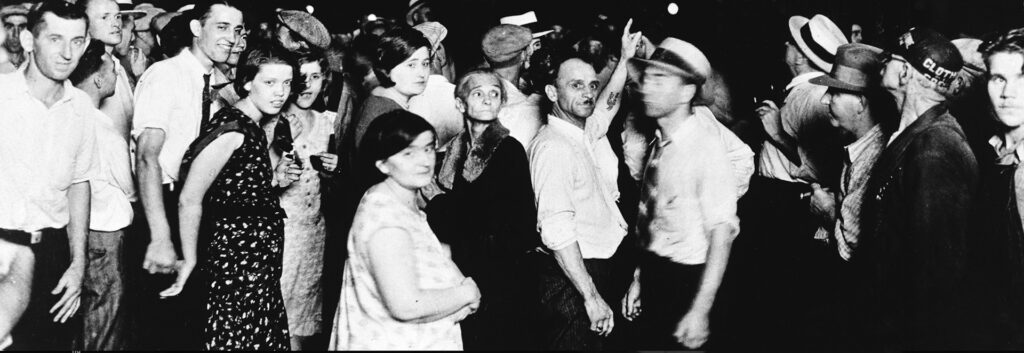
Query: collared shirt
x=169 y=97
x=1010 y=155
x=803 y=116
x=520 y=114
x=121 y=106
x=113 y=190
x=689 y=189
x=860 y=158
x=574 y=204
x=43 y=151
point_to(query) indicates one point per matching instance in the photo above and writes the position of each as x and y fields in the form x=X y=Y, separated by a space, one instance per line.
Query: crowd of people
x=185 y=180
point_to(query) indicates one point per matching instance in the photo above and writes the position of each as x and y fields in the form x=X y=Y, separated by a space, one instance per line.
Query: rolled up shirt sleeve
x=551 y=174
x=87 y=161
x=718 y=192
x=154 y=101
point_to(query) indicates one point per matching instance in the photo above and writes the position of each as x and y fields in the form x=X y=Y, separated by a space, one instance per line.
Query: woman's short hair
x=255 y=57
x=319 y=58
x=393 y=48
x=462 y=91
x=386 y=136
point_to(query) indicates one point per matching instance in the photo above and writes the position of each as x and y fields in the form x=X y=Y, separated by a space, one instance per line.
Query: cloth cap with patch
x=677 y=56
x=931 y=54
x=503 y=43
x=15 y=9
x=528 y=20
x=307 y=27
x=857 y=68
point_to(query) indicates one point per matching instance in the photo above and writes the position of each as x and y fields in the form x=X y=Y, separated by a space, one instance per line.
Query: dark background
x=742 y=38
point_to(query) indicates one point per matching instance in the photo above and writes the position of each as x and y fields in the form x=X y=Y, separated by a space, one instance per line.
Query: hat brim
x=541 y=34
x=636 y=67
x=134 y=14
x=795 y=24
x=413 y=8
x=829 y=81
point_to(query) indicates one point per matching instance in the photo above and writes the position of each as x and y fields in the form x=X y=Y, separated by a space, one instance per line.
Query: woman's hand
x=330 y=161
x=287 y=171
x=184 y=271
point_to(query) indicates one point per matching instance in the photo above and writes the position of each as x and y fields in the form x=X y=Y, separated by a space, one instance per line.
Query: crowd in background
x=189 y=179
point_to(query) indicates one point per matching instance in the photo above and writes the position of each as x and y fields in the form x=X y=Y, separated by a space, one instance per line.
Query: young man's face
x=1006 y=87
x=217 y=35
x=664 y=91
x=14 y=24
x=104 y=21
x=59 y=45
x=575 y=89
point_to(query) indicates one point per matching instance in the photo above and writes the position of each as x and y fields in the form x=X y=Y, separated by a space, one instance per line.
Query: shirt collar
x=680 y=131
x=18 y=84
x=804 y=77
x=855 y=149
x=1003 y=151
x=566 y=127
x=192 y=62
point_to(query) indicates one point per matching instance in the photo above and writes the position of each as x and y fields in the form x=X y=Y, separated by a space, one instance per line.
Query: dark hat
x=931 y=54
x=307 y=26
x=502 y=44
x=413 y=6
x=16 y=9
x=857 y=68
x=677 y=56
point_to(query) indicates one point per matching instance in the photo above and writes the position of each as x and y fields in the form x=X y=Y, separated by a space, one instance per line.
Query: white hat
x=817 y=38
x=127 y=10
x=528 y=20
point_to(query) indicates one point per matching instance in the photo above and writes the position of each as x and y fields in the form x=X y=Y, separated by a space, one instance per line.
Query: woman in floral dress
x=304 y=229
x=232 y=226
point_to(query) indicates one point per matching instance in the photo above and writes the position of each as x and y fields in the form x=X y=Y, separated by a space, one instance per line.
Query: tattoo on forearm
x=613 y=99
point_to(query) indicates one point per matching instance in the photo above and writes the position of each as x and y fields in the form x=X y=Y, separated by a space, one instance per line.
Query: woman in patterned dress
x=400 y=290
x=228 y=205
x=304 y=230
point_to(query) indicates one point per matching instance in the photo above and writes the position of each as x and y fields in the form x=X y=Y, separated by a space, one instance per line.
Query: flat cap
x=307 y=26
x=502 y=44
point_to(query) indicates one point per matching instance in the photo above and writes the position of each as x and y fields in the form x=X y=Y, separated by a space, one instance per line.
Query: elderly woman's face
x=483 y=100
x=410 y=76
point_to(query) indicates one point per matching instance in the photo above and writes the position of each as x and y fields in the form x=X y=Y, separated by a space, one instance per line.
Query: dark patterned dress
x=241 y=242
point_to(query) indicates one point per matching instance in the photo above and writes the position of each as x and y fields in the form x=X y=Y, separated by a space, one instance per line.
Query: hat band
x=665 y=56
x=817 y=49
x=851 y=76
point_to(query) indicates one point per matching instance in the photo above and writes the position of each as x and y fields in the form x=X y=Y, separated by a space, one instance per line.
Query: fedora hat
x=676 y=56
x=818 y=38
x=413 y=6
x=434 y=32
x=127 y=10
x=528 y=20
x=143 y=23
x=858 y=67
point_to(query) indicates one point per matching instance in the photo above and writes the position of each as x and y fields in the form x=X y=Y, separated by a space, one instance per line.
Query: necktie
x=207 y=101
x=649 y=194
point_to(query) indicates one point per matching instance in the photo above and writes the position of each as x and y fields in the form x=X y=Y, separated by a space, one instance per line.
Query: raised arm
x=201 y=175
x=610 y=99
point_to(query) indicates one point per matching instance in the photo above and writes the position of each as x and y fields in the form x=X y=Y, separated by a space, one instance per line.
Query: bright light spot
x=371 y=17
x=673 y=8
x=309 y=8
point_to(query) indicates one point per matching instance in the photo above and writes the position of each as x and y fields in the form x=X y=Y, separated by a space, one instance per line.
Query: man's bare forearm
x=570 y=259
x=79 y=196
x=152 y=194
x=714 y=269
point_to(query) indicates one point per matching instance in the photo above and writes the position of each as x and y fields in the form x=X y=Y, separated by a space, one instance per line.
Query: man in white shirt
x=47 y=158
x=105 y=26
x=173 y=99
x=687 y=217
x=110 y=213
x=578 y=218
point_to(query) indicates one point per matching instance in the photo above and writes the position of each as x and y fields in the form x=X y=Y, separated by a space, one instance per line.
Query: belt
x=22 y=237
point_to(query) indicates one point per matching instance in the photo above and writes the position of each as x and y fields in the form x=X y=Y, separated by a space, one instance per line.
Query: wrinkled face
x=58 y=47
x=104 y=21
x=483 y=101
x=270 y=88
x=1006 y=87
x=410 y=76
x=576 y=88
x=313 y=74
x=892 y=71
x=236 y=51
x=219 y=33
x=845 y=109
x=663 y=91
x=14 y=24
x=413 y=167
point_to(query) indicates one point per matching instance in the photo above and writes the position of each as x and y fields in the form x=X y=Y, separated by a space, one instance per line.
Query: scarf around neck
x=472 y=161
